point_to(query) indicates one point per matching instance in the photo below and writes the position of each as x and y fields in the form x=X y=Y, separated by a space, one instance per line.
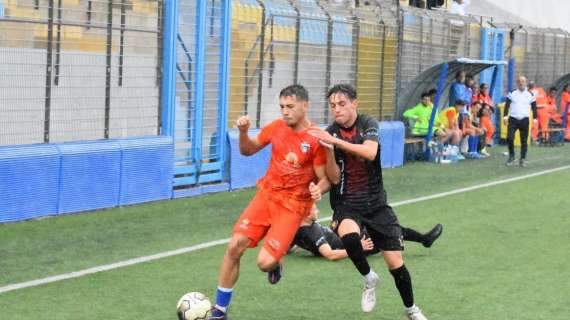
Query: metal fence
x=79 y=70
x=429 y=38
x=199 y=112
x=542 y=55
x=278 y=43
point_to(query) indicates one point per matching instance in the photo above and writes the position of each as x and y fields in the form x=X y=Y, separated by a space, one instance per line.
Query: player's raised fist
x=243 y=123
x=315 y=191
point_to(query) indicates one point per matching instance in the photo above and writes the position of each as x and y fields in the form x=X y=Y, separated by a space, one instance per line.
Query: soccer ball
x=193 y=306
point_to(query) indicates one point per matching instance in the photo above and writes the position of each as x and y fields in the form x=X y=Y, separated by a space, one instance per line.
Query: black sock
x=412 y=235
x=355 y=252
x=404 y=285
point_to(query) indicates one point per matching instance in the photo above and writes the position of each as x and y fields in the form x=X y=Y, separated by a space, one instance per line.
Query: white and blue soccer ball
x=193 y=306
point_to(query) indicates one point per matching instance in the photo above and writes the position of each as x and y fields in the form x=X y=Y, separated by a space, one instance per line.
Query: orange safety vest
x=564 y=101
x=486 y=99
x=540 y=96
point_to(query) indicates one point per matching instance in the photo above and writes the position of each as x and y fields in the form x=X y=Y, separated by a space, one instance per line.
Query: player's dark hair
x=296 y=90
x=426 y=95
x=459 y=73
x=345 y=89
x=553 y=89
x=431 y=92
x=459 y=102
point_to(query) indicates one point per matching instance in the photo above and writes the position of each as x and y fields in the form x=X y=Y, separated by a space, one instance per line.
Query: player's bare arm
x=322 y=186
x=247 y=145
x=366 y=150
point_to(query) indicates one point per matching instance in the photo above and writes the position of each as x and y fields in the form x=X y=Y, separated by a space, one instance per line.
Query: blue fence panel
x=492 y=48
x=386 y=140
x=90 y=176
x=147 y=171
x=245 y=171
x=29 y=182
x=398 y=142
x=201 y=94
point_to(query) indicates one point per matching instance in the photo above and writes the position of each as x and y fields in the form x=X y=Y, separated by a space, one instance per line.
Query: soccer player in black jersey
x=323 y=242
x=358 y=198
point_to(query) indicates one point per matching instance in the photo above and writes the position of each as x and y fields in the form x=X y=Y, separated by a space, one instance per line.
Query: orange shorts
x=267 y=218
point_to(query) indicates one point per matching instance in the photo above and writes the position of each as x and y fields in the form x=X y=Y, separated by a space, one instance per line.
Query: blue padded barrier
x=245 y=171
x=147 y=169
x=42 y=180
x=90 y=175
x=398 y=142
x=386 y=145
x=29 y=180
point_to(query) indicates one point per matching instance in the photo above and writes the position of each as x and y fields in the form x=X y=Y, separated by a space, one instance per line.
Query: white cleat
x=414 y=313
x=369 y=295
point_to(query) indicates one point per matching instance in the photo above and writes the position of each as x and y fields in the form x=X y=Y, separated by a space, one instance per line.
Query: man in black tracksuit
x=519 y=104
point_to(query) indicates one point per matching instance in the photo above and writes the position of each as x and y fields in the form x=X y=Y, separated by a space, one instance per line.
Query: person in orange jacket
x=550 y=112
x=540 y=96
x=484 y=97
x=564 y=107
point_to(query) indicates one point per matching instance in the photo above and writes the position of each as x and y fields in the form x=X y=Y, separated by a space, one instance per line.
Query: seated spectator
x=459 y=6
x=565 y=99
x=448 y=121
x=472 y=91
x=469 y=125
x=432 y=93
x=420 y=116
x=458 y=90
x=483 y=96
x=551 y=106
x=542 y=115
x=548 y=114
x=435 y=4
x=485 y=116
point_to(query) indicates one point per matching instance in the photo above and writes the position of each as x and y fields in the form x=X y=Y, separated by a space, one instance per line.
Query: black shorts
x=381 y=224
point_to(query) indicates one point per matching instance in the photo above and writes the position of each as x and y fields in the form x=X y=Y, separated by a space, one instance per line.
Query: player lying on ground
x=323 y=242
x=294 y=180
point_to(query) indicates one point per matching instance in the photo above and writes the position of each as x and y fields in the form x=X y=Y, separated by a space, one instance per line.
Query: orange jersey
x=540 y=96
x=484 y=99
x=565 y=99
x=290 y=171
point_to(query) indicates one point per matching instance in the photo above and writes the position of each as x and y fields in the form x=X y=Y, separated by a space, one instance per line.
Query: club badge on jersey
x=305 y=146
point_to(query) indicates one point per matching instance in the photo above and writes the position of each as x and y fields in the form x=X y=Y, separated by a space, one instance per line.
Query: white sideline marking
x=214 y=243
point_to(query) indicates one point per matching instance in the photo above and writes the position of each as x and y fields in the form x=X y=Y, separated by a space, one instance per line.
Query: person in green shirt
x=420 y=116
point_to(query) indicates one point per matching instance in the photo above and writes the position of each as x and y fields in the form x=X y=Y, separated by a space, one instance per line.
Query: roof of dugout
x=561 y=82
x=428 y=79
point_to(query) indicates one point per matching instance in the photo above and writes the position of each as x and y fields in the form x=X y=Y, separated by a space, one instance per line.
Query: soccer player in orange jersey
x=295 y=179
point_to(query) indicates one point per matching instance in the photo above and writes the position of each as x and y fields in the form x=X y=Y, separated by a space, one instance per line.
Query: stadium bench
x=414 y=147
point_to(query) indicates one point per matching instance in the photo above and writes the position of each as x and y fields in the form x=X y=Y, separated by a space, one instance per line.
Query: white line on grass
x=214 y=243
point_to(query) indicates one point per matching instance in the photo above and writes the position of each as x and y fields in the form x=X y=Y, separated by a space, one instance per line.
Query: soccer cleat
x=510 y=162
x=484 y=152
x=275 y=275
x=217 y=314
x=368 y=301
x=432 y=235
x=523 y=163
x=414 y=313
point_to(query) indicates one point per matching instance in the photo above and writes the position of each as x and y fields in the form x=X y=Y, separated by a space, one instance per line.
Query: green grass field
x=504 y=254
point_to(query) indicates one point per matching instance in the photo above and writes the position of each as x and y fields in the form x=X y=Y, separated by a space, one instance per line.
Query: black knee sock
x=355 y=252
x=412 y=235
x=404 y=285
